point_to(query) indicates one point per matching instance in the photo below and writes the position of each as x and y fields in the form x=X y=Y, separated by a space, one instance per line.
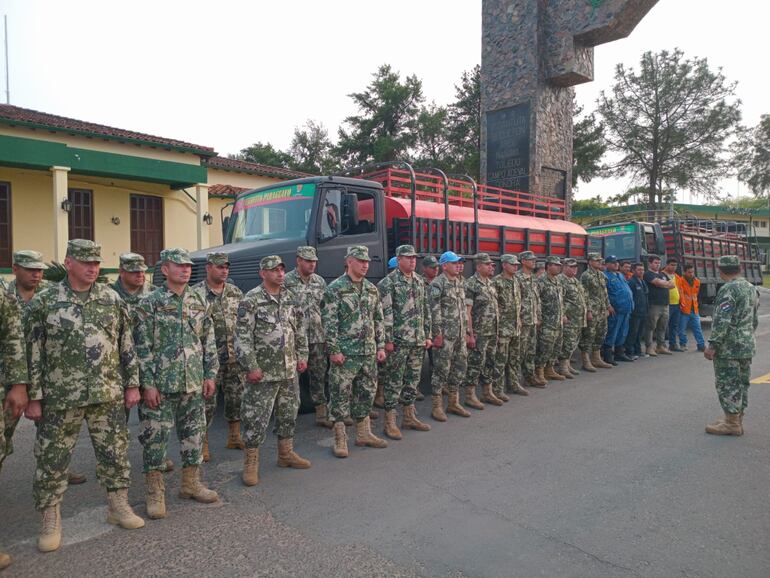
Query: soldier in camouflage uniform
x=82 y=366
x=575 y=309
x=507 y=353
x=595 y=285
x=530 y=318
x=732 y=344
x=223 y=299
x=178 y=364
x=407 y=337
x=308 y=289
x=481 y=305
x=271 y=346
x=355 y=338
x=552 y=320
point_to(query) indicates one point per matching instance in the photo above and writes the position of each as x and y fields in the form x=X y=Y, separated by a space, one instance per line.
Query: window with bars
x=147 y=227
x=81 y=215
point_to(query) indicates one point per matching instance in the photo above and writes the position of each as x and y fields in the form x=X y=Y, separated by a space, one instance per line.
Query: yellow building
x=62 y=178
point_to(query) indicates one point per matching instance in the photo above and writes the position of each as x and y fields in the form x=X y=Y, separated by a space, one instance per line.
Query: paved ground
x=606 y=475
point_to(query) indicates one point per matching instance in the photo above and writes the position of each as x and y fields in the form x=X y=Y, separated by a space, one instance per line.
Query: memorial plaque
x=508 y=147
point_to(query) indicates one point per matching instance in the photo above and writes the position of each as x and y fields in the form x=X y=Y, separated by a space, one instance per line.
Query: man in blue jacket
x=638 y=320
x=621 y=306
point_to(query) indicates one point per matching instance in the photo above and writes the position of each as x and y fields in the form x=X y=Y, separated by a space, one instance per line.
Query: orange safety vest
x=688 y=294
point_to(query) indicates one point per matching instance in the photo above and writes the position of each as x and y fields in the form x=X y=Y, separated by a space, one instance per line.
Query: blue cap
x=449 y=257
x=393 y=263
x=610 y=259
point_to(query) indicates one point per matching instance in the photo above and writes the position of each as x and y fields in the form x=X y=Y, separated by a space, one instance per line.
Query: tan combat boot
x=453 y=406
x=501 y=395
x=470 y=398
x=596 y=359
x=321 y=417
x=571 y=369
x=730 y=426
x=365 y=437
x=540 y=380
x=205 y=450
x=288 y=458
x=390 y=428
x=234 y=441
x=518 y=390
x=50 y=530
x=437 y=408
x=487 y=396
x=563 y=369
x=120 y=512
x=379 y=397
x=340 y=449
x=411 y=421
x=550 y=373
x=155 y=501
x=5 y=560
x=250 y=475
x=193 y=488
x=586 y=359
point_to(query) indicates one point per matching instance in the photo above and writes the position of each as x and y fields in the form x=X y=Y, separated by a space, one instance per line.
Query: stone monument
x=533 y=52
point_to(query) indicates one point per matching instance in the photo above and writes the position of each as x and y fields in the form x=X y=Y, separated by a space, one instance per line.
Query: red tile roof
x=225 y=191
x=17 y=116
x=227 y=164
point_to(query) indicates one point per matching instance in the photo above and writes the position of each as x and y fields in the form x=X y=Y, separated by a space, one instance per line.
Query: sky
x=228 y=74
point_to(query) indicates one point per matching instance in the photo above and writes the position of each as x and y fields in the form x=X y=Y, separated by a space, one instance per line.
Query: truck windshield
x=280 y=213
x=620 y=245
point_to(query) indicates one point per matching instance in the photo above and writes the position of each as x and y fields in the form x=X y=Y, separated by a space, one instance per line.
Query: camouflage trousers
x=450 y=362
x=548 y=345
x=259 y=399
x=570 y=337
x=507 y=363
x=403 y=367
x=186 y=410
x=352 y=386
x=593 y=334
x=481 y=361
x=56 y=437
x=317 y=368
x=527 y=349
x=732 y=383
x=7 y=427
x=230 y=383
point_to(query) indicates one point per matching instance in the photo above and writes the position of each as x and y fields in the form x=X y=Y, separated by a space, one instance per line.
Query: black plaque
x=508 y=148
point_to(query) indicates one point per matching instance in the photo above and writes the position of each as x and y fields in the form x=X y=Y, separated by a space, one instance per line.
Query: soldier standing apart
x=271 y=345
x=223 y=299
x=621 y=307
x=449 y=320
x=481 y=304
x=575 y=310
x=530 y=318
x=407 y=336
x=178 y=364
x=509 y=306
x=308 y=289
x=82 y=366
x=732 y=344
x=595 y=285
x=553 y=319
x=355 y=338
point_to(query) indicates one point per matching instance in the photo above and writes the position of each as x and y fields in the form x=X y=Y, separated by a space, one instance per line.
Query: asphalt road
x=609 y=474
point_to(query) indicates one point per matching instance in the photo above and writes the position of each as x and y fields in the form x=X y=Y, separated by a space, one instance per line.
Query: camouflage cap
x=84 y=250
x=552 y=260
x=405 y=251
x=570 y=262
x=594 y=257
x=176 y=255
x=132 y=262
x=510 y=258
x=526 y=255
x=270 y=262
x=218 y=258
x=360 y=252
x=307 y=253
x=430 y=261
x=729 y=261
x=482 y=258
x=29 y=259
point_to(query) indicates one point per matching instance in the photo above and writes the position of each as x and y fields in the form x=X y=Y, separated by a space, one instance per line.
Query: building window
x=147 y=227
x=81 y=217
x=6 y=244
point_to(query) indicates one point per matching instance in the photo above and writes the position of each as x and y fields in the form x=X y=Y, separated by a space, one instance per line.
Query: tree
x=432 y=147
x=670 y=122
x=265 y=154
x=311 y=150
x=753 y=158
x=464 y=116
x=588 y=146
x=591 y=204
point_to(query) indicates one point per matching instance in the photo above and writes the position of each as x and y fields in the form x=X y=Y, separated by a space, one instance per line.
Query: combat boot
x=155 y=501
x=596 y=359
x=551 y=374
x=250 y=475
x=340 y=449
x=730 y=426
x=288 y=458
x=193 y=488
x=420 y=395
x=321 y=417
x=411 y=421
x=608 y=355
x=374 y=414
x=168 y=466
x=563 y=369
x=501 y=395
x=518 y=390
x=347 y=420
x=586 y=359
x=379 y=396
x=390 y=428
x=50 y=530
x=205 y=450
x=453 y=405
x=365 y=437
x=5 y=560
x=540 y=380
x=571 y=369
x=487 y=396
x=234 y=441
x=437 y=408
x=470 y=398
x=444 y=391
x=120 y=512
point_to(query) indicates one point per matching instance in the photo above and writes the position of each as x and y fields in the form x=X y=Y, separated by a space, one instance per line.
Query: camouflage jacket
x=575 y=306
x=551 y=301
x=481 y=296
x=175 y=341
x=352 y=317
x=223 y=309
x=595 y=286
x=132 y=299
x=269 y=335
x=14 y=360
x=508 y=304
x=405 y=309
x=449 y=317
x=736 y=316
x=308 y=296
x=16 y=296
x=80 y=352
x=530 y=298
